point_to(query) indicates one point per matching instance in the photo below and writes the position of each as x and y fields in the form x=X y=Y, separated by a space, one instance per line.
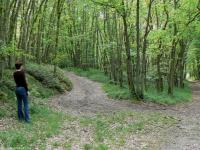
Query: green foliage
x=180 y=96
x=7 y=87
x=44 y=73
x=12 y=50
x=116 y=92
x=193 y=58
x=38 y=90
x=63 y=79
x=3 y=95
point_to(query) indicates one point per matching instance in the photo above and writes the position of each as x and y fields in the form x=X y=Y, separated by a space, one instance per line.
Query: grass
x=122 y=93
x=180 y=95
x=113 y=129
x=116 y=92
x=44 y=121
x=98 y=147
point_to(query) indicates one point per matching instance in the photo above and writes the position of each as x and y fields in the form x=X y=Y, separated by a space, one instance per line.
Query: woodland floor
x=87 y=99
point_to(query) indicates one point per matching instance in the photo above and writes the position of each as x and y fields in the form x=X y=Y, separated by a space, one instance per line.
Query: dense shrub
x=44 y=74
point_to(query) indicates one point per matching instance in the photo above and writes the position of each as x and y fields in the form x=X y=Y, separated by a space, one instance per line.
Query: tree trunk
x=147 y=30
x=59 y=11
x=181 y=62
x=138 y=65
x=160 y=80
x=172 y=58
x=128 y=54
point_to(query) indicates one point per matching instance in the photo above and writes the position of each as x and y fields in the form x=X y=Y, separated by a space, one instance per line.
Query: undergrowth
x=44 y=122
x=45 y=74
x=180 y=95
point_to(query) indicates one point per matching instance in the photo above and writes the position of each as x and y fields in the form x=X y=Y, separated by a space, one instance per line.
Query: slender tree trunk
x=13 y=24
x=181 y=62
x=160 y=86
x=138 y=65
x=172 y=66
x=172 y=58
x=159 y=80
x=147 y=30
x=128 y=54
x=59 y=11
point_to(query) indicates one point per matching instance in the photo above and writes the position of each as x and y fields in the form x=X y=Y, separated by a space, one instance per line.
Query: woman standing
x=21 y=92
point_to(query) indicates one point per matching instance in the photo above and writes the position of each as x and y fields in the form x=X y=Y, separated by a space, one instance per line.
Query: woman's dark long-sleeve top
x=20 y=79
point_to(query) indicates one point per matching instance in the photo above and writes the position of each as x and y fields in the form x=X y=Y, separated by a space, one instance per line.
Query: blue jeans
x=22 y=96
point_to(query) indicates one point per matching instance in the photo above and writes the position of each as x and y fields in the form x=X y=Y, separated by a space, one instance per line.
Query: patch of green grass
x=101 y=147
x=88 y=147
x=116 y=126
x=44 y=123
x=98 y=147
x=180 y=95
x=117 y=92
x=56 y=144
x=67 y=146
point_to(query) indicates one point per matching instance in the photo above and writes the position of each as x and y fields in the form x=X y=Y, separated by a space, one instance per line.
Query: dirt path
x=186 y=136
x=87 y=98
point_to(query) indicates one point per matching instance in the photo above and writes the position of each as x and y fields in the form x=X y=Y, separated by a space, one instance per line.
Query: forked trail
x=88 y=99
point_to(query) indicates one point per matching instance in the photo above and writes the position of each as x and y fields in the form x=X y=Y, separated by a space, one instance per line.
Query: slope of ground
x=44 y=121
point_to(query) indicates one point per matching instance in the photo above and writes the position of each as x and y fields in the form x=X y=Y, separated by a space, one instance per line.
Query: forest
x=135 y=43
x=143 y=50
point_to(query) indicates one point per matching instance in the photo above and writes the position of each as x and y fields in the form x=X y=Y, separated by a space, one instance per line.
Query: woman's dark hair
x=18 y=64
